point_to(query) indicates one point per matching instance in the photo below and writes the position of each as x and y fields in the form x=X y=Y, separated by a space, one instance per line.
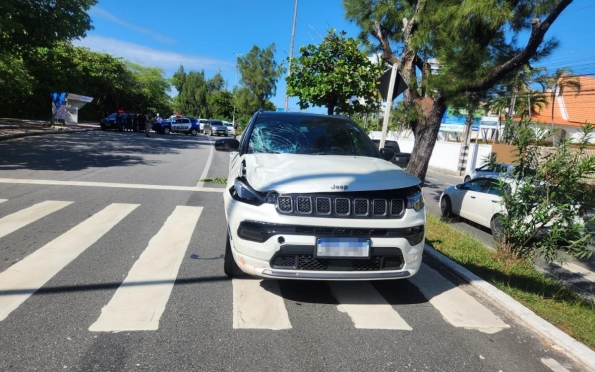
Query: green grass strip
x=519 y=279
x=218 y=180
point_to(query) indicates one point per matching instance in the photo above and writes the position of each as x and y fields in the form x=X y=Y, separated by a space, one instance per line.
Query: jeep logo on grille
x=339 y=187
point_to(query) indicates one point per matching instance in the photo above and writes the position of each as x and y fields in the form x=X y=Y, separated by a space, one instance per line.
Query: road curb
x=29 y=134
x=549 y=332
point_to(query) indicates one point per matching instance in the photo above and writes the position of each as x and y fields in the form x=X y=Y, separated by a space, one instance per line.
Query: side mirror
x=227 y=144
x=387 y=154
x=459 y=186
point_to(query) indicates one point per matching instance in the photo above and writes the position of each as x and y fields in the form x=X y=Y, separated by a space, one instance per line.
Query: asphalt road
x=111 y=260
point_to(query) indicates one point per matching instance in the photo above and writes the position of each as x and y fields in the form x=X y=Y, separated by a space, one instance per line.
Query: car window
x=185 y=121
x=476 y=184
x=215 y=122
x=309 y=135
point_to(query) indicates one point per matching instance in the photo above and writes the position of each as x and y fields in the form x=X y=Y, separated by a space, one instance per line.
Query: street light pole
x=291 y=51
x=235 y=85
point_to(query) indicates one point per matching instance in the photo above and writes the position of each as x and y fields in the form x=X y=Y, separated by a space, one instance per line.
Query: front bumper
x=219 y=131
x=286 y=249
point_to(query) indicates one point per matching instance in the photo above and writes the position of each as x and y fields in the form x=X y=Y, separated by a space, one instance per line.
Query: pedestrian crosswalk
x=143 y=295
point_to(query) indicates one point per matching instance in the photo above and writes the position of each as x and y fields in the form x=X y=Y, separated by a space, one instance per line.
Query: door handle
x=473 y=197
x=494 y=201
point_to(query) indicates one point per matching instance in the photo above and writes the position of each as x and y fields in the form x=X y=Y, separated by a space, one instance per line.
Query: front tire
x=446 y=207
x=166 y=130
x=230 y=267
x=497 y=228
x=193 y=132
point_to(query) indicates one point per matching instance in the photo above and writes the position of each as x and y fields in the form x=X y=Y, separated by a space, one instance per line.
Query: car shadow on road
x=78 y=151
x=395 y=292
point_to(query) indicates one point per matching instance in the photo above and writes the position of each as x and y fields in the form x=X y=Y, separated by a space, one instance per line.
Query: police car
x=177 y=125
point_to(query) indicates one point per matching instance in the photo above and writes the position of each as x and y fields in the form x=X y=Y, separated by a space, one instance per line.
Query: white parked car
x=310 y=197
x=229 y=126
x=490 y=170
x=479 y=200
x=201 y=123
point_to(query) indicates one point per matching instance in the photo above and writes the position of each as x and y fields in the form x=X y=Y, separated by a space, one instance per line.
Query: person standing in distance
x=142 y=121
x=158 y=119
x=148 y=123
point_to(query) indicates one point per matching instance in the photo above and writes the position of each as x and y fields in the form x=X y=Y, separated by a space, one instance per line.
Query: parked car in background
x=310 y=197
x=110 y=121
x=177 y=125
x=202 y=123
x=401 y=158
x=230 y=128
x=490 y=170
x=480 y=200
x=215 y=127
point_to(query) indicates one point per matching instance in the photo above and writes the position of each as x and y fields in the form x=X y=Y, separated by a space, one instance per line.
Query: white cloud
x=107 y=15
x=140 y=54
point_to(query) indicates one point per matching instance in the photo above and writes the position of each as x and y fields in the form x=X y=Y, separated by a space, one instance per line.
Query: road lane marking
x=366 y=307
x=579 y=270
x=258 y=304
x=109 y=185
x=22 y=218
x=456 y=306
x=30 y=274
x=3 y=200
x=553 y=365
x=205 y=171
x=139 y=307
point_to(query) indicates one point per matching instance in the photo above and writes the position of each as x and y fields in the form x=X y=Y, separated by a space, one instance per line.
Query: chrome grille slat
x=342 y=207
x=361 y=207
x=304 y=205
x=323 y=206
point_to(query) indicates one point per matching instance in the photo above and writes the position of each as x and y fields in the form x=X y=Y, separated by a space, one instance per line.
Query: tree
x=27 y=24
x=221 y=104
x=543 y=199
x=332 y=73
x=474 y=43
x=260 y=72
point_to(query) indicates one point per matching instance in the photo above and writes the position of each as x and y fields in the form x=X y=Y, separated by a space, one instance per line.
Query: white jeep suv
x=310 y=197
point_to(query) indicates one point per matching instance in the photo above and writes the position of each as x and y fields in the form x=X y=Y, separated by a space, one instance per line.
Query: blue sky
x=205 y=34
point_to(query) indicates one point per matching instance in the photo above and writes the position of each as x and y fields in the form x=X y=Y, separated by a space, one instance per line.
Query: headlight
x=246 y=192
x=416 y=201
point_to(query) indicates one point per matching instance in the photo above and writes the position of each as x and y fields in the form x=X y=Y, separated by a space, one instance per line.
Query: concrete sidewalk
x=16 y=128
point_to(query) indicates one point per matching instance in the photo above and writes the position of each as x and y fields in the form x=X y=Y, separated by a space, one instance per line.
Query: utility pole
x=291 y=52
x=235 y=85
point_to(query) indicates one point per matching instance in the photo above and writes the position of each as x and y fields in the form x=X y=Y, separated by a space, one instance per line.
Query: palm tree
x=557 y=82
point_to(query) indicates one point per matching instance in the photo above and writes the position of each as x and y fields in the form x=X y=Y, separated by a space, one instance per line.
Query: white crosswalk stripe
x=22 y=279
x=257 y=304
x=17 y=220
x=141 y=299
x=456 y=306
x=366 y=307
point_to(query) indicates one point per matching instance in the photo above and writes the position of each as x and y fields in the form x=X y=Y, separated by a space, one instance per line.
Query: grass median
x=519 y=279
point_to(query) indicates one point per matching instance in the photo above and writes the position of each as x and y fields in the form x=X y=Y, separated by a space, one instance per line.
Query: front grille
x=311 y=263
x=284 y=204
x=304 y=204
x=323 y=206
x=379 y=207
x=361 y=207
x=397 y=207
x=357 y=204
x=284 y=261
x=342 y=207
x=308 y=262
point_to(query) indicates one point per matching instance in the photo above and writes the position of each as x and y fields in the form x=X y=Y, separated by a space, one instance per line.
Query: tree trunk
x=426 y=132
x=330 y=109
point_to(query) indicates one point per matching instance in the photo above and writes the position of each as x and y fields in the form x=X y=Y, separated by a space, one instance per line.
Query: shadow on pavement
x=77 y=151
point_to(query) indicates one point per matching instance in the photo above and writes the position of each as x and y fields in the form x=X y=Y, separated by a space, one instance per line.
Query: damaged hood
x=293 y=173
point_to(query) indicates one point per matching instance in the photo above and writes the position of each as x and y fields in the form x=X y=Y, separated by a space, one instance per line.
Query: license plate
x=343 y=247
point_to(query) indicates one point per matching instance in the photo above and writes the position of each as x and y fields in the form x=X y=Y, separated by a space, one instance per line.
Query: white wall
x=446 y=154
